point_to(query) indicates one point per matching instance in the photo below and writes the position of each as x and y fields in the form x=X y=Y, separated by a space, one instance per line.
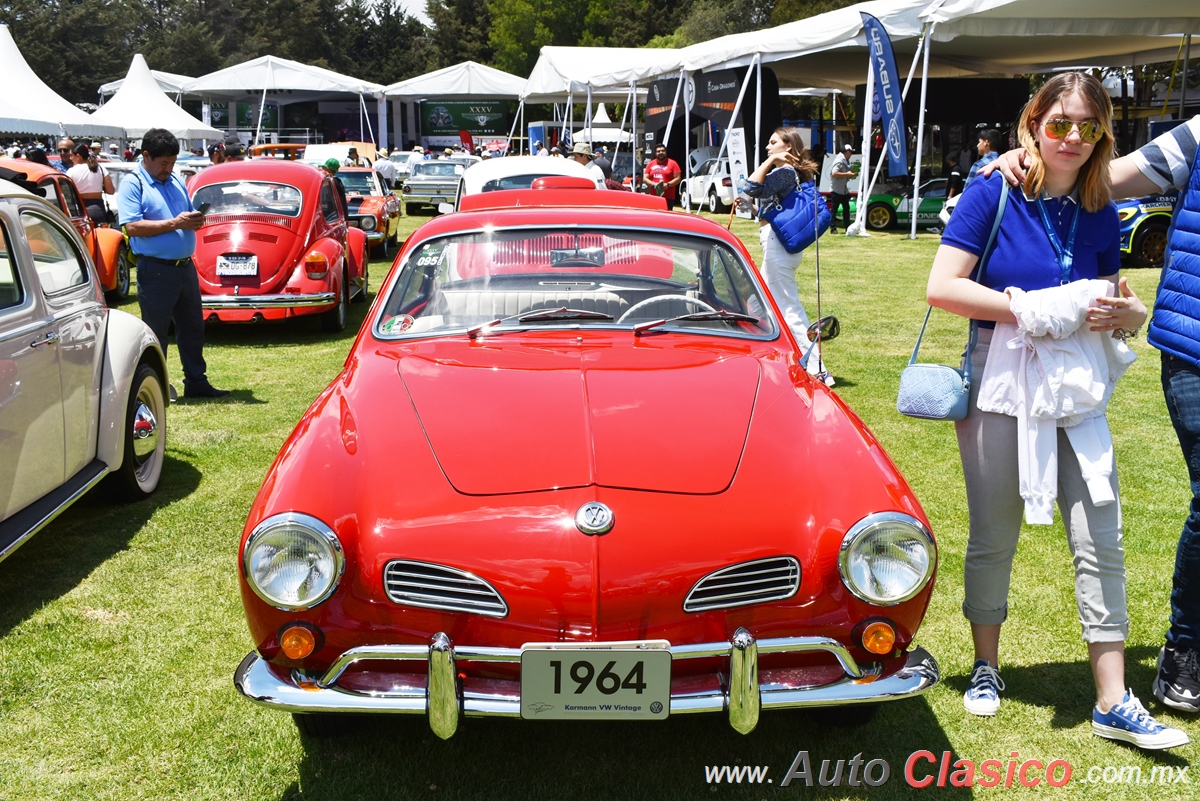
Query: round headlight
x=368 y=223
x=886 y=558
x=293 y=561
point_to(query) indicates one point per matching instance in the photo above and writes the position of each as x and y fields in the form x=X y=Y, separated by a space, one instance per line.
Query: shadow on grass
x=82 y=538
x=293 y=331
x=397 y=757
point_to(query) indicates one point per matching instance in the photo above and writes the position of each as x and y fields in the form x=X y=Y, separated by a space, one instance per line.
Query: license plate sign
x=237 y=264
x=596 y=681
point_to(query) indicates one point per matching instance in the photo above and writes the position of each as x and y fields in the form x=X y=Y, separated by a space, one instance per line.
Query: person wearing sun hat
x=582 y=154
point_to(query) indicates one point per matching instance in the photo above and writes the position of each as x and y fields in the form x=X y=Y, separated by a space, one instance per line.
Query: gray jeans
x=988 y=445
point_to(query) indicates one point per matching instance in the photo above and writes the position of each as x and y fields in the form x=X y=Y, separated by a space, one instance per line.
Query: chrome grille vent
x=756 y=582
x=439 y=587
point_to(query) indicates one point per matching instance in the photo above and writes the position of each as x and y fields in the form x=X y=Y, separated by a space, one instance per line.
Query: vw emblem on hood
x=594 y=518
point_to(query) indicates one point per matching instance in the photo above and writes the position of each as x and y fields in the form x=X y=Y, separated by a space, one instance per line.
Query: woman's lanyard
x=1066 y=255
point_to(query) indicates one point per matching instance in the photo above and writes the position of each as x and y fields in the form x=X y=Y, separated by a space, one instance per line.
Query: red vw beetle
x=276 y=244
x=569 y=472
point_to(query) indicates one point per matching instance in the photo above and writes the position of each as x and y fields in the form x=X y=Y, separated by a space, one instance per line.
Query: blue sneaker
x=983 y=693
x=1129 y=722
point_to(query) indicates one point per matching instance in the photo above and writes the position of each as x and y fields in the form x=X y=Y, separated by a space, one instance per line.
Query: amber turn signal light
x=879 y=637
x=298 y=641
x=316 y=265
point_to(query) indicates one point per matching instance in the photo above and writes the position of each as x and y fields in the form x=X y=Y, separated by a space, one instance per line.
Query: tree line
x=77 y=45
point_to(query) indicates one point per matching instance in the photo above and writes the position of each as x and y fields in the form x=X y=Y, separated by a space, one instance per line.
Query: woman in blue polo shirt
x=1061 y=228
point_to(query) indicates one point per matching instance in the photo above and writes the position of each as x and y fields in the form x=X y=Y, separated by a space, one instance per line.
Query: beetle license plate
x=237 y=264
x=596 y=681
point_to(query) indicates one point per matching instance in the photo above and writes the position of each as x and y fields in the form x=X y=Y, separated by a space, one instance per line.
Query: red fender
x=356 y=241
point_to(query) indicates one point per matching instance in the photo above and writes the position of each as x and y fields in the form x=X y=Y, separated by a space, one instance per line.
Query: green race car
x=893 y=208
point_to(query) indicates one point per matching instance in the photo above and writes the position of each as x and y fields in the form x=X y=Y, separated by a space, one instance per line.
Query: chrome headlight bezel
x=870 y=526
x=320 y=535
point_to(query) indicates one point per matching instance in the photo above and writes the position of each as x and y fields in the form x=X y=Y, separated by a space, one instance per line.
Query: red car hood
x=277 y=248
x=502 y=418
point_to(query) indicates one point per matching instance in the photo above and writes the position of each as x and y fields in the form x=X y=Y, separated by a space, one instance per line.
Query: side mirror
x=828 y=326
x=445 y=208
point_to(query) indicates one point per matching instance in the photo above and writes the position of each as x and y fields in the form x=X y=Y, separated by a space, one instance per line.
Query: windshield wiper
x=561 y=313
x=720 y=314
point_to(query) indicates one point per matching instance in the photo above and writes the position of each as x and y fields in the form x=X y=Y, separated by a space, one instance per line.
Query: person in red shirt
x=662 y=175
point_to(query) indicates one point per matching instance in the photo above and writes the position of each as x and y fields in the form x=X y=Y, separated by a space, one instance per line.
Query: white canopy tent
x=29 y=98
x=466 y=81
x=287 y=81
x=141 y=105
x=966 y=37
x=14 y=120
x=169 y=82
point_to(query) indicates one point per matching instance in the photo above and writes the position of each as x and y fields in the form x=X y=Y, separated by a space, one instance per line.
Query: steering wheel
x=685 y=299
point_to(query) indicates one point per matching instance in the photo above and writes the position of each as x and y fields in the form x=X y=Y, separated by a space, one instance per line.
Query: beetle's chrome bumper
x=252 y=302
x=444 y=698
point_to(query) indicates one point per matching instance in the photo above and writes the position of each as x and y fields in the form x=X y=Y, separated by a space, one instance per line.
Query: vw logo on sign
x=594 y=518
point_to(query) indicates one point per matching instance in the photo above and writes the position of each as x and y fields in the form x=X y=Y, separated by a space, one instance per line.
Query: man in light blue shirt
x=157 y=216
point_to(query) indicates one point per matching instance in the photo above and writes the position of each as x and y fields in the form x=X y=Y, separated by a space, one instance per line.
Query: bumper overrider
x=445 y=701
x=259 y=302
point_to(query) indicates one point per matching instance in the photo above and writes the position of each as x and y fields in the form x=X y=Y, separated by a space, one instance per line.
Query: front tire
x=880 y=217
x=1150 y=245
x=145 y=437
x=334 y=320
x=124 y=269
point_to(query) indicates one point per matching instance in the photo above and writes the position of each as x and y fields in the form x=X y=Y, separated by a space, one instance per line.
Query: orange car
x=107 y=246
x=372 y=208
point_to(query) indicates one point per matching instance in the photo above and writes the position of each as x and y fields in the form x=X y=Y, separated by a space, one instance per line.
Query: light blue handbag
x=937 y=391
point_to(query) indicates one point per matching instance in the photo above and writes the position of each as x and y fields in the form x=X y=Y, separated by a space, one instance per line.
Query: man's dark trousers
x=842 y=201
x=167 y=290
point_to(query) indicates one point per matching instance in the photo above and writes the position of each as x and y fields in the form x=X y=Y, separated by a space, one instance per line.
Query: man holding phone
x=157 y=216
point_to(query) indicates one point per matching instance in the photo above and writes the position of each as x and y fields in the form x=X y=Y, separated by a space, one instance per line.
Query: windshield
x=250 y=197
x=490 y=282
x=441 y=169
x=358 y=183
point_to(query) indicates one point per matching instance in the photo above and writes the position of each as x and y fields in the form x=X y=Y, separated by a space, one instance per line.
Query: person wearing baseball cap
x=331 y=166
x=216 y=152
x=234 y=149
x=839 y=187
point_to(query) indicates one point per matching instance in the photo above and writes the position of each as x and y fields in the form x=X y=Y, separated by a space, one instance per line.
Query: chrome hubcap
x=145 y=432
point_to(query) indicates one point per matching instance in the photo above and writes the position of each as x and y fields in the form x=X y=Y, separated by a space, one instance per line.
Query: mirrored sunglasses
x=1089 y=131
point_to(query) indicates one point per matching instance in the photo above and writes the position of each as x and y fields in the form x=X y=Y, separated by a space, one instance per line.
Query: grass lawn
x=120 y=626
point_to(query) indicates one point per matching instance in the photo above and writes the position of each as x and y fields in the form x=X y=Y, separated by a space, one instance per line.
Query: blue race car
x=1144 y=224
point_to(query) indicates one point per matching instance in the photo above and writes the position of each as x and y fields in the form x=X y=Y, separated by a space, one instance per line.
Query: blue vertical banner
x=888 y=90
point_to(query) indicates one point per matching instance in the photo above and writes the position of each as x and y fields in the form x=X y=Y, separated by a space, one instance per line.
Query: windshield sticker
x=397 y=325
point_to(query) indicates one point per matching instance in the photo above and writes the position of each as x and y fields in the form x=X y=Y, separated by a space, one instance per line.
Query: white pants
x=779 y=270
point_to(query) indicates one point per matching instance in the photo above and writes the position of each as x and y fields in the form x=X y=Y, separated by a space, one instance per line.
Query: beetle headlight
x=886 y=558
x=293 y=561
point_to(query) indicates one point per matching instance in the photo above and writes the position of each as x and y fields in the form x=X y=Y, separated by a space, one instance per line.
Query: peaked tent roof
x=297 y=81
x=26 y=92
x=468 y=80
x=141 y=105
x=560 y=71
x=169 y=82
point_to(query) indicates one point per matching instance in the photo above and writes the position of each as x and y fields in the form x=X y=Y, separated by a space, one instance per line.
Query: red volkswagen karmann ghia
x=276 y=244
x=574 y=469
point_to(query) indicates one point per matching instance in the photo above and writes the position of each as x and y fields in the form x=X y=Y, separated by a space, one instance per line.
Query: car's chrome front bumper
x=444 y=698
x=252 y=302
